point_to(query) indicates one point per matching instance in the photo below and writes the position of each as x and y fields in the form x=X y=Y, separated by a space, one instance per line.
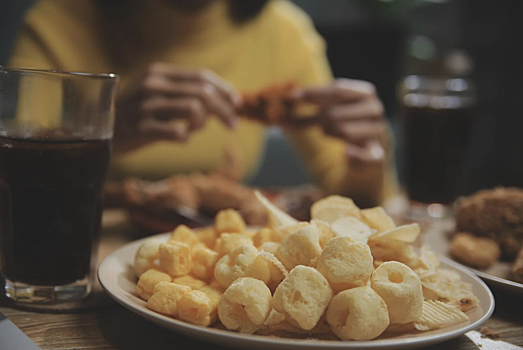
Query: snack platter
x=349 y=278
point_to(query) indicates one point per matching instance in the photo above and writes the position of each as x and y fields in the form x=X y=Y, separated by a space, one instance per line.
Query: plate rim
x=290 y=343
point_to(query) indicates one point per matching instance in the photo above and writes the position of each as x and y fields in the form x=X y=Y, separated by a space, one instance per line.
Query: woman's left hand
x=352 y=111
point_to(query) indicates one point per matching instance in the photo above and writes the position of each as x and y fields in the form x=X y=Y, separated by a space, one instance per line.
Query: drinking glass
x=435 y=122
x=55 y=145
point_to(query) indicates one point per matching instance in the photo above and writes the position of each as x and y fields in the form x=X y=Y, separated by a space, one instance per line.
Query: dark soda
x=435 y=145
x=50 y=208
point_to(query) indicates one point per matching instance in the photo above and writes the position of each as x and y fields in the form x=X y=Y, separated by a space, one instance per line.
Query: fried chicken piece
x=271 y=105
x=494 y=213
x=474 y=251
x=161 y=195
x=517 y=267
x=217 y=192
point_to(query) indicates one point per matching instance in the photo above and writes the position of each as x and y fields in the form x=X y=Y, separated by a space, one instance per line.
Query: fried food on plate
x=474 y=251
x=494 y=213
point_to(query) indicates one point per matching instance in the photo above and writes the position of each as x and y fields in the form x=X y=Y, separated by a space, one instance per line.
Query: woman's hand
x=351 y=110
x=169 y=103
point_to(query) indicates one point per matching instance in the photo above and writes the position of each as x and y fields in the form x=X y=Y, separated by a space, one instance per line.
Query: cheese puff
x=345 y=263
x=216 y=285
x=207 y=236
x=303 y=296
x=175 y=258
x=145 y=256
x=245 y=305
x=243 y=261
x=190 y=281
x=184 y=234
x=229 y=220
x=203 y=261
x=300 y=248
x=198 y=307
x=229 y=241
x=400 y=287
x=148 y=280
x=264 y=235
x=357 y=314
x=165 y=298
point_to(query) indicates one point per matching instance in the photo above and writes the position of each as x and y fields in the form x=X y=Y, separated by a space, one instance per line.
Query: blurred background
x=384 y=40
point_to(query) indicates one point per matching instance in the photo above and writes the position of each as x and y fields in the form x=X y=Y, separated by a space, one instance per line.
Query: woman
x=190 y=60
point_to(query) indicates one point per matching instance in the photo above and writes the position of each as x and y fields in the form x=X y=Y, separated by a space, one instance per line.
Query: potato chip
x=334 y=207
x=278 y=271
x=270 y=247
x=392 y=250
x=404 y=233
x=442 y=285
x=378 y=219
x=353 y=228
x=278 y=219
x=275 y=318
x=325 y=231
x=437 y=314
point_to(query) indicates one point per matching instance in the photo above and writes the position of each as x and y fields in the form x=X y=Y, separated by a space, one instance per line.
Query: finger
x=367 y=109
x=206 y=92
x=166 y=108
x=154 y=130
x=370 y=154
x=342 y=90
x=196 y=75
x=356 y=132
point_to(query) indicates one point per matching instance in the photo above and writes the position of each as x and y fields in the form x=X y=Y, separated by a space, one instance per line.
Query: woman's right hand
x=169 y=103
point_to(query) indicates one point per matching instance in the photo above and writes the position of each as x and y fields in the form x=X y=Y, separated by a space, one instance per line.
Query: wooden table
x=111 y=326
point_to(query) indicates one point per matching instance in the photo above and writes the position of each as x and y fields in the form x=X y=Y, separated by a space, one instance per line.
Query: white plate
x=497 y=276
x=117 y=278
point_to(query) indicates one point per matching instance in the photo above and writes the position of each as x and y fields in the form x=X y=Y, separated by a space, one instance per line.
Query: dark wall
x=493 y=34
x=11 y=12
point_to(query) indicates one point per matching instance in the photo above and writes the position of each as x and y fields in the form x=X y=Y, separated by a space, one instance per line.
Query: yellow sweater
x=278 y=45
